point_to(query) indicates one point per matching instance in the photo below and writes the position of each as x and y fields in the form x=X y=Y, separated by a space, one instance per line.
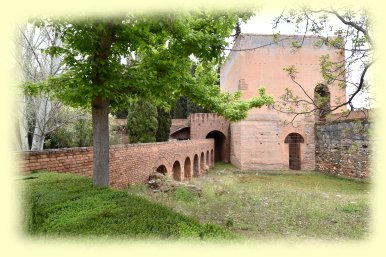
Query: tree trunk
x=23 y=126
x=100 y=129
x=40 y=124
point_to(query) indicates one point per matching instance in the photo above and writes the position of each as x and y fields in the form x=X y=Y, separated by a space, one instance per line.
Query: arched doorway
x=187 y=168
x=207 y=159
x=322 y=101
x=177 y=170
x=196 y=170
x=219 y=144
x=294 y=159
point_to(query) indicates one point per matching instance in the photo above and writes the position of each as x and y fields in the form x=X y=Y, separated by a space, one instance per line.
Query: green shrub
x=164 y=121
x=142 y=122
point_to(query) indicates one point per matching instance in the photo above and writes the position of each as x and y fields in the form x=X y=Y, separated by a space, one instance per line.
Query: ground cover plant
x=67 y=205
x=274 y=205
x=231 y=204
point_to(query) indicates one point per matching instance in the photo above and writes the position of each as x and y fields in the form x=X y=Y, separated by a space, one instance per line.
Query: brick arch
x=162 y=161
x=196 y=166
x=187 y=168
x=212 y=157
x=207 y=159
x=177 y=171
x=220 y=146
x=202 y=163
x=162 y=169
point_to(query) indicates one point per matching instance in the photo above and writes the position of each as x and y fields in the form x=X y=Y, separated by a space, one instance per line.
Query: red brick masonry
x=129 y=164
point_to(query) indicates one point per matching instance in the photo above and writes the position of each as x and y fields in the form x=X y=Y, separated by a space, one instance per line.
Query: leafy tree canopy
x=146 y=56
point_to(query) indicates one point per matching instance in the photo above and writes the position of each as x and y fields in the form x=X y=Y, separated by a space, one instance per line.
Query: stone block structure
x=343 y=147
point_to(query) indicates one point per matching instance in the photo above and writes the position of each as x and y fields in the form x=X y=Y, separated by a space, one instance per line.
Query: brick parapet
x=128 y=164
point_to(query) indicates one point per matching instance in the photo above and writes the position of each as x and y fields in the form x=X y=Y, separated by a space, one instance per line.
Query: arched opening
x=196 y=170
x=177 y=170
x=322 y=101
x=207 y=159
x=202 y=163
x=211 y=158
x=162 y=169
x=294 y=159
x=219 y=144
x=187 y=168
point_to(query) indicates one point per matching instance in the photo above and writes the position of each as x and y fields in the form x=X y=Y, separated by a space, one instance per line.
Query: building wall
x=263 y=67
x=344 y=148
x=258 y=141
x=259 y=145
x=129 y=164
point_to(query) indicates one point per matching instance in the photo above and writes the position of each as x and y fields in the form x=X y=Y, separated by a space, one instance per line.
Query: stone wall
x=344 y=148
x=129 y=164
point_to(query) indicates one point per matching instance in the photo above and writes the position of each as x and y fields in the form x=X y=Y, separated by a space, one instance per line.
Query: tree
x=348 y=31
x=40 y=115
x=142 y=122
x=158 y=51
x=74 y=134
x=164 y=120
x=184 y=107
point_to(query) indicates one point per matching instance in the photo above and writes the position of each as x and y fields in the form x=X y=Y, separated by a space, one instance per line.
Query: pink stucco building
x=263 y=141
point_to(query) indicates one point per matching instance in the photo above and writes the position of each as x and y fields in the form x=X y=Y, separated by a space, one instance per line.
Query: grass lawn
x=233 y=204
x=66 y=205
x=274 y=205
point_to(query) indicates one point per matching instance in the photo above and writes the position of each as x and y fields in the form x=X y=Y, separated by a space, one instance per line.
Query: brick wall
x=344 y=148
x=178 y=123
x=259 y=144
x=201 y=124
x=129 y=164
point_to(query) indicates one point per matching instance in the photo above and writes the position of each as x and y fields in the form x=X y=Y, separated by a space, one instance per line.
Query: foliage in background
x=164 y=122
x=120 y=113
x=184 y=107
x=142 y=123
x=77 y=134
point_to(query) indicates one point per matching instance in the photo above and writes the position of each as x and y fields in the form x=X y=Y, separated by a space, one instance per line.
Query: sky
x=261 y=23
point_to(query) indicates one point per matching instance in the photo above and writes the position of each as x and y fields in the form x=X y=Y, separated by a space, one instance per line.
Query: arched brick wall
x=129 y=164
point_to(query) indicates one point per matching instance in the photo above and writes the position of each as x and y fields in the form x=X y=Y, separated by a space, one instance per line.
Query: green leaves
x=158 y=50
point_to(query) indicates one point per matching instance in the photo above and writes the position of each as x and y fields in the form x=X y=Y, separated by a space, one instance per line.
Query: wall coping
x=90 y=148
